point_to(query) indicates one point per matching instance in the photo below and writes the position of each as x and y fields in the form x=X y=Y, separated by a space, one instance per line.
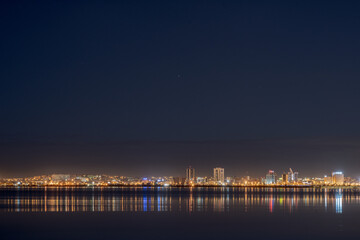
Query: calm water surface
x=179 y=213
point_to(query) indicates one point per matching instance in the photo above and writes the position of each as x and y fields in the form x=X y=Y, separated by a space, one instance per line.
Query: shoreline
x=179 y=186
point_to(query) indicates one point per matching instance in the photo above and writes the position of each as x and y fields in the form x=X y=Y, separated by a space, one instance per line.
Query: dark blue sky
x=122 y=71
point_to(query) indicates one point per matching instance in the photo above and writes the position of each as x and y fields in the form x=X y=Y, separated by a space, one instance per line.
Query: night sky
x=150 y=87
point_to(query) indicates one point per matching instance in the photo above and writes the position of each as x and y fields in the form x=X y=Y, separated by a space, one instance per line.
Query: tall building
x=270 y=177
x=285 y=178
x=292 y=176
x=296 y=176
x=338 y=178
x=219 y=175
x=190 y=174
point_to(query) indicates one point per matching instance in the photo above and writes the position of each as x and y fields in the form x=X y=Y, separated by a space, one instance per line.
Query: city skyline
x=192 y=172
x=218 y=176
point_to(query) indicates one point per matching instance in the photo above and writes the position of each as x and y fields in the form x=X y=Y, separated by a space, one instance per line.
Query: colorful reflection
x=338 y=201
x=158 y=199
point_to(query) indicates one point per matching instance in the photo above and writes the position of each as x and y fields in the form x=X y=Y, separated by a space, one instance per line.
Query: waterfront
x=178 y=213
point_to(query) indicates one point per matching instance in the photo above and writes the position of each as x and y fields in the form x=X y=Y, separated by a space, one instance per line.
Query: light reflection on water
x=156 y=199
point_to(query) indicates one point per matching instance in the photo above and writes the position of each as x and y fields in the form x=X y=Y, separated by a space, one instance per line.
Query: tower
x=219 y=175
x=190 y=174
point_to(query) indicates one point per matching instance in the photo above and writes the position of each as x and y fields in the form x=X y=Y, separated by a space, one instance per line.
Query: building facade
x=270 y=177
x=292 y=176
x=219 y=175
x=338 y=178
x=190 y=175
x=328 y=180
x=285 y=179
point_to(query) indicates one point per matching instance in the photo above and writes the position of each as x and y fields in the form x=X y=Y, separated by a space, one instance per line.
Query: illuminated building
x=292 y=176
x=238 y=180
x=285 y=178
x=350 y=181
x=296 y=176
x=201 y=180
x=230 y=180
x=270 y=177
x=219 y=175
x=338 y=178
x=328 y=180
x=178 y=180
x=190 y=174
x=246 y=180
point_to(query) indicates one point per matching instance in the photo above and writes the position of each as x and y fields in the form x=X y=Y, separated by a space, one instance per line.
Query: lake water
x=179 y=213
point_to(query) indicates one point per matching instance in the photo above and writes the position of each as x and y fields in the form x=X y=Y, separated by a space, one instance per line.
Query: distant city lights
x=286 y=179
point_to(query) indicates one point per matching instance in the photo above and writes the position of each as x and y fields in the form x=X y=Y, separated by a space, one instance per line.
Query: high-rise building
x=338 y=178
x=190 y=174
x=270 y=177
x=296 y=176
x=292 y=176
x=219 y=175
x=285 y=179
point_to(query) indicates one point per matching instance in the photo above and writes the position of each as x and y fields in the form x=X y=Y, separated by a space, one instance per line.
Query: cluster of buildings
x=191 y=179
x=286 y=178
x=63 y=180
x=290 y=178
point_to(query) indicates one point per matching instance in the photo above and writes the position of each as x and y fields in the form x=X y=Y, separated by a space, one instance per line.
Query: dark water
x=179 y=213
